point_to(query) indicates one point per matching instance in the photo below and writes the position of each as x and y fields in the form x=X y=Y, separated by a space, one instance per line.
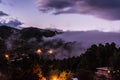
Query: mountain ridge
x=65 y=44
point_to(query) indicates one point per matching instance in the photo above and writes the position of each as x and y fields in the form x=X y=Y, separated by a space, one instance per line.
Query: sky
x=72 y=15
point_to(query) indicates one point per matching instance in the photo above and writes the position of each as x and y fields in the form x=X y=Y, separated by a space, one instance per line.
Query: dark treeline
x=20 y=61
x=95 y=56
x=107 y=55
x=82 y=66
x=26 y=33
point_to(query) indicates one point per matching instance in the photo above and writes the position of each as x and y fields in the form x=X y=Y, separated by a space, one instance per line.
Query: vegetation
x=22 y=62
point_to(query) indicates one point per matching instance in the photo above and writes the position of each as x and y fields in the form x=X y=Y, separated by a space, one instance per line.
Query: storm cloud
x=107 y=9
x=3 y=14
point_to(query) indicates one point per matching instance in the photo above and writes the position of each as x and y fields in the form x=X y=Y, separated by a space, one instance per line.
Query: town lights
x=108 y=71
x=54 y=78
x=50 y=51
x=6 y=56
x=39 y=51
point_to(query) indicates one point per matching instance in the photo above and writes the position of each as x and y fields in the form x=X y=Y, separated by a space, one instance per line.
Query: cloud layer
x=12 y=23
x=107 y=9
x=3 y=14
x=83 y=40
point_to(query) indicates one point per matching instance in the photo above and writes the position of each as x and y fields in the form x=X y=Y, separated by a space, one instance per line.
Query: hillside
x=65 y=44
x=46 y=52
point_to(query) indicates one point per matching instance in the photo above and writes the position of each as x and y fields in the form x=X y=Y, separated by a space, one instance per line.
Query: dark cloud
x=108 y=9
x=8 y=21
x=3 y=14
x=46 y=5
x=12 y=23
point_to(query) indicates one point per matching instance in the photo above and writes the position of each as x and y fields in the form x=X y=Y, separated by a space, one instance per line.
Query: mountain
x=12 y=38
x=26 y=33
x=6 y=31
x=64 y=44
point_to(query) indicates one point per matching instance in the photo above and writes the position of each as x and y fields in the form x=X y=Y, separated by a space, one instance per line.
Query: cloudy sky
x=77 y=15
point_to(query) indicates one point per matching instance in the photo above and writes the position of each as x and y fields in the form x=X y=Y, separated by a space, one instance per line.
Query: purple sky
x=80 y=15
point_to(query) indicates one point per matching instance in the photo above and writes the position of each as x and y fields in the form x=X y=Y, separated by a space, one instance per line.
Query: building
x=103 y=73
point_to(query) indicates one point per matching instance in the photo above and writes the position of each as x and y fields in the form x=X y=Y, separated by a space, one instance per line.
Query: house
x=103 y=73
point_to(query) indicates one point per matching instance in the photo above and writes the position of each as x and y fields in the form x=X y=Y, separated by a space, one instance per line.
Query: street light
x=50 y=51
x=108 y=71
x=6 y=56
x=54 y=78
x=39 y=51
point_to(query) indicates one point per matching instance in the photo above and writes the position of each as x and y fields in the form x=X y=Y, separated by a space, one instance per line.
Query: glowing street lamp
x=39 y=51
x=108 y=71
x=54 y=78
x=50 y=51
x=6 y=56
